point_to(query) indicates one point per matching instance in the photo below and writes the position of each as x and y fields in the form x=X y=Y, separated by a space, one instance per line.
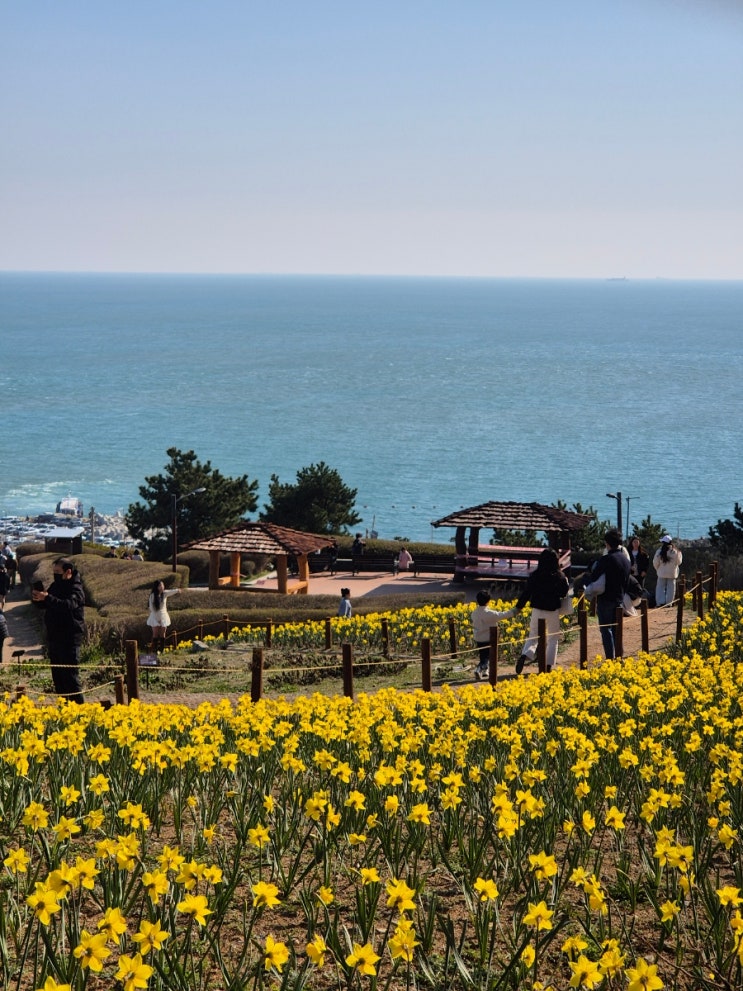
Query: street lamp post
x=627 y=499
x=174 y=521
x=618 y=497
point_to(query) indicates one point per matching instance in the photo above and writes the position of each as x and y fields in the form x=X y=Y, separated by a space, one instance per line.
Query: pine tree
x=727 y=535
x=318 y=502
x=221 y=504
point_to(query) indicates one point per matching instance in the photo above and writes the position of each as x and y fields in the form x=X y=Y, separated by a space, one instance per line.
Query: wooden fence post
x=328 y=633
x=542 y=645
x=494 y=655
x=583 y=626
x=385 y=637
x=18 y=655
x=644 y=626
x=132 y=669
x=700 y=594
x=426 y=664
x=201 y=629
x=680 y=592
x=712 y=599
x=619 y=632
x=119 y=689
x=452 y=637
x=226 y=627
x=256 y=675
x=347 y=649
x=269 y=633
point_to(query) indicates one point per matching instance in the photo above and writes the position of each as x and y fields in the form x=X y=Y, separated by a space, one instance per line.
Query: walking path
x=24 y=632
x=23 y=625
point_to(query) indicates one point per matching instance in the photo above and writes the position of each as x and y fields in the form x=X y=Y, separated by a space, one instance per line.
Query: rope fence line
x=347 y=661
x=95 y=690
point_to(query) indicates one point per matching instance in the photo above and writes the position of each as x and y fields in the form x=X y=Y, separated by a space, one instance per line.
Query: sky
x=498 y=138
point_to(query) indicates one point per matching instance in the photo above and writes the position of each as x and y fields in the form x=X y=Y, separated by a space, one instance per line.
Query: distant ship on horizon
x=617 y=278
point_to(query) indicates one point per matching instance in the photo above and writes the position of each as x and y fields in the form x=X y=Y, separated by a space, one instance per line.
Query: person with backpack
x=608 y=584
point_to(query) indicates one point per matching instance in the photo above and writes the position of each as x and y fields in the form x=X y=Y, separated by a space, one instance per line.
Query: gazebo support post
x=303 y=568
x=213 y=569
x=460 y=548
x=282 y=573
x=235 y=561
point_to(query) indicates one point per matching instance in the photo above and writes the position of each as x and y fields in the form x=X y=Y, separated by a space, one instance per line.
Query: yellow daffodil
x=265 y=895
x=363 y=959
x=275 y=954
x=133 y=973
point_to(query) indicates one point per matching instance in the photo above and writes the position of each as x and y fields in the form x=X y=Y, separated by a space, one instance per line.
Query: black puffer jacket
x=544 y=591
x=65 y=610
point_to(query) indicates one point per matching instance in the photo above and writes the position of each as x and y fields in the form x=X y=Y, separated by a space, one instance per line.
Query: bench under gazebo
x=277 y=542
x=501 y=562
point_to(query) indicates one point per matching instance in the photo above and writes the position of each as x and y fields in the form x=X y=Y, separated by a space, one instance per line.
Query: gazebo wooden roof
x=501 y=562
x=517 y=516
x=279 y=542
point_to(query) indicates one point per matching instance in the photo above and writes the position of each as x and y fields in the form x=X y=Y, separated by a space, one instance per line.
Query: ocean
x=426 y=394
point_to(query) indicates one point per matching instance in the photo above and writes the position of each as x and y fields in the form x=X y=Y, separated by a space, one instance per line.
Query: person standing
x=3 y=633
x=666 y=561
x=608 y=584
x=483 y=619
x=159 y=618
x=344 y=606
x=4 y=582
x=12 y=565
x=545 y=589
x=64 y=614
x=7 y=558
x=639 y=561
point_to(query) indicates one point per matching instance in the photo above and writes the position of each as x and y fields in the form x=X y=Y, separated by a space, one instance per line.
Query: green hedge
x=117 y=593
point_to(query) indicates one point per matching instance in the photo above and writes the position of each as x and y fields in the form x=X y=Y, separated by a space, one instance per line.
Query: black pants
x=65 y=658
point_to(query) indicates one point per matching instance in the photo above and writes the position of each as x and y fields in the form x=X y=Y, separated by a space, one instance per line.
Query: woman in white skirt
x=159 y=620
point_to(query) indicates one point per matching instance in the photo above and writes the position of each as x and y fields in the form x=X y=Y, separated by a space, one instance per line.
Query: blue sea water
x=425 y=394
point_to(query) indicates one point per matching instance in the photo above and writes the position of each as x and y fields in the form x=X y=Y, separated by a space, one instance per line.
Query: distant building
x=64 y=540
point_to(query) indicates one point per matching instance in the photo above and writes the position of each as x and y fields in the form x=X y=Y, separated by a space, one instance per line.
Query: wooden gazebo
x=499 y=561
x=278 y=542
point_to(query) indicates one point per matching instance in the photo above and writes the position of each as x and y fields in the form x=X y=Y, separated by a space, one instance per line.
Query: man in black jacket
x=64 y=605
x=614 y=567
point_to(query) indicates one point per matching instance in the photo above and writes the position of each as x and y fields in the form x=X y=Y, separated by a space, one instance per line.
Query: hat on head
x=666 y=539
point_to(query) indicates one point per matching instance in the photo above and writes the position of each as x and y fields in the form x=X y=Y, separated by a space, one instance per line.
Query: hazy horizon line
x=370 y=275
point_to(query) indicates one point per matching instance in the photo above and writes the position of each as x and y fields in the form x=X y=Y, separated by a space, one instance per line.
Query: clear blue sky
x=473 y=137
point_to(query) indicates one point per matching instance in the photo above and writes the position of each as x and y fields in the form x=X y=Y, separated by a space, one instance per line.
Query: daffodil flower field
x=574 y=830
x=406 y=629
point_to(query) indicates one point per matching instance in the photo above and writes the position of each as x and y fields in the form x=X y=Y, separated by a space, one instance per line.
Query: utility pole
x=618 y=497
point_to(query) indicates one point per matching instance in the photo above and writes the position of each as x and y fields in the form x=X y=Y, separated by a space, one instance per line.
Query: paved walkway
x=23 y=625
